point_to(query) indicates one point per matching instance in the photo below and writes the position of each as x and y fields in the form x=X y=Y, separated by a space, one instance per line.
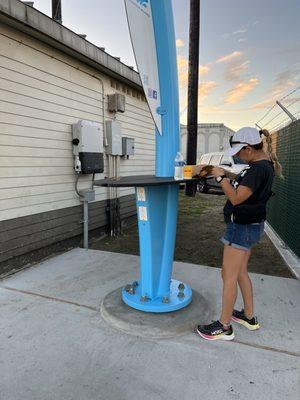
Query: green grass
x=191 y=206
x=188 y=209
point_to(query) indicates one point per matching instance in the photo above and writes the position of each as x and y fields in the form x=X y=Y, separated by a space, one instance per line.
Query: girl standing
x=244 y=215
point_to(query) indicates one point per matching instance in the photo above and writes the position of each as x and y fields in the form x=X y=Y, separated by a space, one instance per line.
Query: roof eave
x=38 y=25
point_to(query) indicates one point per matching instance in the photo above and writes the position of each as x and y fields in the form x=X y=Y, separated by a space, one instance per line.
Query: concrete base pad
x=152 y=325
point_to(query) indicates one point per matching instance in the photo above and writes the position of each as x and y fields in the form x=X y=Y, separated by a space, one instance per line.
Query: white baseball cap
x=241 y=138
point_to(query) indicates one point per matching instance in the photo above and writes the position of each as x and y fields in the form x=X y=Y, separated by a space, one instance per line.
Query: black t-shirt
x=259 y=178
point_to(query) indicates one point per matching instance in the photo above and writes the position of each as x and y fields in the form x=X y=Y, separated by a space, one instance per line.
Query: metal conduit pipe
x=118 y=196
x=116 y=219
x=85 y=202
x=86 y=225
x=109 y=174
x=115 y=206
x=85 y=206
x=112 y=198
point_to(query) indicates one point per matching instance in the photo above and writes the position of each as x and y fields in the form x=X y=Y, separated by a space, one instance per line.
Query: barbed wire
x=277 y=115
x=292 y=103
x=287 y=106
x=293 y=91
x=282 y=123
x=267 y=113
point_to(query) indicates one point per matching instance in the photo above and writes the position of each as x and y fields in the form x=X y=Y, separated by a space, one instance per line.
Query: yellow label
x=188 y=171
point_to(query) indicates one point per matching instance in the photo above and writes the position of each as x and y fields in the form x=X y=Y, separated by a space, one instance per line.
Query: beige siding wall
x=42 y=92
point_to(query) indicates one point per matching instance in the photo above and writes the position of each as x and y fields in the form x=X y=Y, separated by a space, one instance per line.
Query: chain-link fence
x=282 y=120
x=284 y=207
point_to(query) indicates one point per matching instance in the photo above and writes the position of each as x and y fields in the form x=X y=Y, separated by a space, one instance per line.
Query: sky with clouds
x=249 y=51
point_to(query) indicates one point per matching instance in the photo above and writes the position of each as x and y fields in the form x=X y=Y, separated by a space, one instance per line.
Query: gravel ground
x=200 y=225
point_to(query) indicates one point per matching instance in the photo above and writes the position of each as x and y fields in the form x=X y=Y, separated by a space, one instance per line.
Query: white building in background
x=211 y=138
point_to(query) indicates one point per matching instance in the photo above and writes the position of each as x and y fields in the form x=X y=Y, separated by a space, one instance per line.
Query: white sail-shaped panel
x=141 y=29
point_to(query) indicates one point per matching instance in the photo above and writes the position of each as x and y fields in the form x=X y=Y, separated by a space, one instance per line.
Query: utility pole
x=56 y=11
x=192 y=117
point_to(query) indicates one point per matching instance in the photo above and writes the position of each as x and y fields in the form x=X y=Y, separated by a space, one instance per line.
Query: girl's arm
x=237 y=196
x=229 y=174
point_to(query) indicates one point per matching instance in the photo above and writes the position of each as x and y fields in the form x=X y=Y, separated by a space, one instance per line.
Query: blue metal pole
x=156 y=292
x=167 y=144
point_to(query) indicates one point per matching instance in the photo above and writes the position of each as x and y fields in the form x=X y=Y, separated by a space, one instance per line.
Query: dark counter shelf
x=140 y=181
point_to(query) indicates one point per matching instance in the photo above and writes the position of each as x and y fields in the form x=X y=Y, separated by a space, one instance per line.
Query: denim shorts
x=242 y=236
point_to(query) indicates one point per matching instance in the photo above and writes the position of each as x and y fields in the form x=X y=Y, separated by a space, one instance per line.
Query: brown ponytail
x=271 y=153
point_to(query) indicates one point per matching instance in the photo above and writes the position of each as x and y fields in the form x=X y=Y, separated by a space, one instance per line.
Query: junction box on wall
x=116 y=102
x=88 y=147
x=114 y=137
x=127 y=146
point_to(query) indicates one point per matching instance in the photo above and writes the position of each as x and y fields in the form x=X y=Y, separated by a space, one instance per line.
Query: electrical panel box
x=88 y=147
x=116 y=102
x=127 y=146
x=114 y=138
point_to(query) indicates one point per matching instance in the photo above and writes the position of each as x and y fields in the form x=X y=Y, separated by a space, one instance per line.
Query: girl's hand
x=216 y=171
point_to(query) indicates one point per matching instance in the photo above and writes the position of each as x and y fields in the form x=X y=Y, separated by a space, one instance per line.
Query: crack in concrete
x=258 y=346
x=49 y=298
x=261 y=346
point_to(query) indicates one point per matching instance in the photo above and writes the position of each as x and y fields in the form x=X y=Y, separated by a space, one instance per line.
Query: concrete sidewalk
x=54 y=345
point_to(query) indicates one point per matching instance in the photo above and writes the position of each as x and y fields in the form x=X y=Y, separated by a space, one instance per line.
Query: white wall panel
x=42 y=92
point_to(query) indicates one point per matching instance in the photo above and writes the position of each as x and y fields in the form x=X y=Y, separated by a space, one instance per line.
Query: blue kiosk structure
x=157 y=196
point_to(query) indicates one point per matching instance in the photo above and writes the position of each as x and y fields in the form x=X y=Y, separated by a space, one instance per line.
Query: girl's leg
x=245 y=285
x=233 y=261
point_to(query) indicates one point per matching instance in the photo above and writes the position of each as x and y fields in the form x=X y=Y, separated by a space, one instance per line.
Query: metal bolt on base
x=181 y=286
x=130 y=289
x=127 y=288
x=140 y=300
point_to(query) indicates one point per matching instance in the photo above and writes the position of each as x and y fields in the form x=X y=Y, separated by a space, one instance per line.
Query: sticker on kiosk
x=141 y=194
x=143 y=214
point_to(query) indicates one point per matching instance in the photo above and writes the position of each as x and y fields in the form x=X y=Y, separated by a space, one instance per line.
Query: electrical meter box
x=88 y=147
x=127 y=146
x=116 y=102
x=114 y=138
